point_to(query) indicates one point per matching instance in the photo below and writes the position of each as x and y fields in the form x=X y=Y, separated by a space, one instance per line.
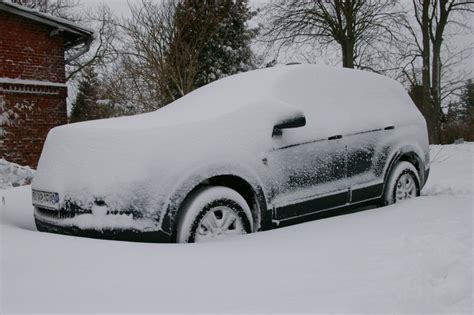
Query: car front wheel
x=403 y=183
x=212 y=213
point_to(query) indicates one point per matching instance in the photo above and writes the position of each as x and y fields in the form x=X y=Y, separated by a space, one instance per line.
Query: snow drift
x=13 y=175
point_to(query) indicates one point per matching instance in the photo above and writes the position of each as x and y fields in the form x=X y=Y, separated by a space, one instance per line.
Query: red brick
x=28 y=52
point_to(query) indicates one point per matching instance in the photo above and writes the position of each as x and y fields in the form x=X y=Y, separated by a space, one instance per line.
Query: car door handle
x=335 y=137
x=389 y=128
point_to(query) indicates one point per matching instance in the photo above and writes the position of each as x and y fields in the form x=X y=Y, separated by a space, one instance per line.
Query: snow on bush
x=13 y=175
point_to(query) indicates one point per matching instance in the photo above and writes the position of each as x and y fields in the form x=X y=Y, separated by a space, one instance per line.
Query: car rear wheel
x=403 y=183
x=212 y=213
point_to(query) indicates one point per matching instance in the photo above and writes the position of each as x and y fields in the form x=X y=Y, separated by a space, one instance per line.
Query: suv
x=250 y=152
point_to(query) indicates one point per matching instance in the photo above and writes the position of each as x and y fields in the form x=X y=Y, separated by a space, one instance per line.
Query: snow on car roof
x=305 y=86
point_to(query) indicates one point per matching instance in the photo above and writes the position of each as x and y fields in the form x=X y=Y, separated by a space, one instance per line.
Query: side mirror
x=293 y=122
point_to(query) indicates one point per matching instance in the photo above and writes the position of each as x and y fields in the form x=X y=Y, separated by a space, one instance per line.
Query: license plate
x=44 y=199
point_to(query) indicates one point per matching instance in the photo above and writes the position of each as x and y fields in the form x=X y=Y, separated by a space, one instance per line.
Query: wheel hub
x=219 y=222
x=405 y=188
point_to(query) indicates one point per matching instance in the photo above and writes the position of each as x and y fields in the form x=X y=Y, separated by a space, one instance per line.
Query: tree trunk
x=348 y=55
x=437 y=41
x=436 y=90
x=431 y=117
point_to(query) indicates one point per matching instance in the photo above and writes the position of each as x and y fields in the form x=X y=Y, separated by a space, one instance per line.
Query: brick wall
x=34 y=116
x=29 y=52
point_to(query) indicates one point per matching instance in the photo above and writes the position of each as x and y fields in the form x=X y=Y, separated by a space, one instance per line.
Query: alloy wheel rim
x=406 y=187
x=217 y=223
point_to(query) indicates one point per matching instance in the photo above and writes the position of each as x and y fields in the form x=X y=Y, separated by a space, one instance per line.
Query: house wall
x=28 y=51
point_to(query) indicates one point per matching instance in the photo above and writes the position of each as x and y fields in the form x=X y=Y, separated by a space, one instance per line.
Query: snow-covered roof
x=76 y=34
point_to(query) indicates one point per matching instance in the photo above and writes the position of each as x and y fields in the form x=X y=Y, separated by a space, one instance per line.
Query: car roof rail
x=293 y=63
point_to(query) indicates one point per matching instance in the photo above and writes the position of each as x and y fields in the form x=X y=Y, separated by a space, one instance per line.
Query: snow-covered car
x=246 y=153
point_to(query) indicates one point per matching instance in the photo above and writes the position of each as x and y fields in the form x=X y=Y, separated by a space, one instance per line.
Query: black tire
x=207 y=208
x=402 y=174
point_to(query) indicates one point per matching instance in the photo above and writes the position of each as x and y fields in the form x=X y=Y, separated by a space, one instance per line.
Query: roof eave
x=83 y=35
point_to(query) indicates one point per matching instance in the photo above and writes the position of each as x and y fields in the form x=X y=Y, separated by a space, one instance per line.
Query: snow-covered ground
x=415 y=256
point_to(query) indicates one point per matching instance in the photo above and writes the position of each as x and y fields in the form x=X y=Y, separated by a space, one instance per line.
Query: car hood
x=89 y=161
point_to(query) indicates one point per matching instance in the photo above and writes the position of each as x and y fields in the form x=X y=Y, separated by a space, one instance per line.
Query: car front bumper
x=45 y=224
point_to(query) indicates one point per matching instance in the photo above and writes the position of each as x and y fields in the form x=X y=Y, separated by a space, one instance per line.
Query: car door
x=366 y=157
x=308 y=172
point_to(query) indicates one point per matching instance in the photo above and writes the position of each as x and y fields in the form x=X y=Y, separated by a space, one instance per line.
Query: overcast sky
x=120 y=7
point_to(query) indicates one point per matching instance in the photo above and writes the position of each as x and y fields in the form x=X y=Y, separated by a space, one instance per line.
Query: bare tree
x=358 y=27
x=155 y=63
x=102 y=50
x=172 y=47
x=427 y=34
x=144 y=47
x=158 y=54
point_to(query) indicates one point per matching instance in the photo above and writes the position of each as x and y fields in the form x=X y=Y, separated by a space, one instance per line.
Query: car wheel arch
x=250 y=191
x=408 y=154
